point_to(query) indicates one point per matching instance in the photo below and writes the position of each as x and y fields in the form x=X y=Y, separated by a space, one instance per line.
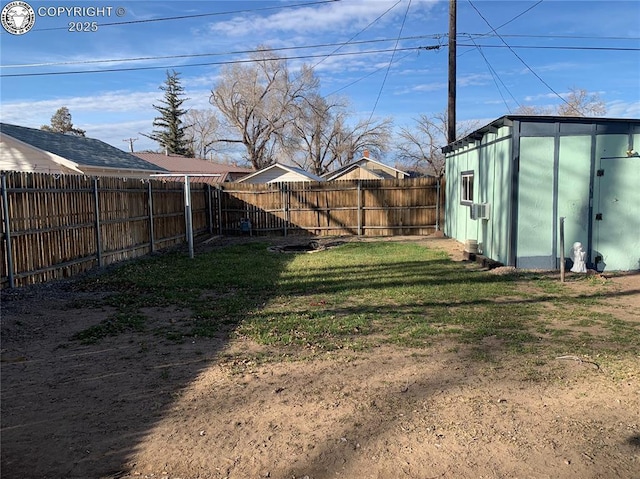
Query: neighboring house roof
x=373 y=169
x=349 y=170
x=181 y=164
x=79 y=151
x=280 y=173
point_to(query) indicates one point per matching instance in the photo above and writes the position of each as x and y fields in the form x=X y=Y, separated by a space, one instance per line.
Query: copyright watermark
x=18 y=17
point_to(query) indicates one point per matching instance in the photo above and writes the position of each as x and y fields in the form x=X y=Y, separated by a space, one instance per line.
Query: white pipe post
x=187 y=214
x=562 y=249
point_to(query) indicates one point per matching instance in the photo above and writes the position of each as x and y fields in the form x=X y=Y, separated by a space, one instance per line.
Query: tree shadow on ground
x=83 y=410
x=85 y=379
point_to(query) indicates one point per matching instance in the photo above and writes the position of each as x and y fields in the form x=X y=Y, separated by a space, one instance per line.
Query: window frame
x=466 y=187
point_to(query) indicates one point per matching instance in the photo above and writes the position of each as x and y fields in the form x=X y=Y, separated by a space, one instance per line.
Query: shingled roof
x=80 y=150
x=181 y=164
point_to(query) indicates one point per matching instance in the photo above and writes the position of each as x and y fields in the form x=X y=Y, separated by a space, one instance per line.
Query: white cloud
x=109 y=116
x=328 y=17
x=552 y=67
x=621 y=109
x=114 y=101
x=423 y=87
x=340 y=16
x=473 y=79
x=540 y=96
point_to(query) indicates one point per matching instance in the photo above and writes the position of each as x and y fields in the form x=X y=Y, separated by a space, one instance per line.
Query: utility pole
x=451 y=108
x=130 y=140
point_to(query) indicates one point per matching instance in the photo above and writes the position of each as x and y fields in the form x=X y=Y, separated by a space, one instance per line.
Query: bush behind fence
x=56 y=226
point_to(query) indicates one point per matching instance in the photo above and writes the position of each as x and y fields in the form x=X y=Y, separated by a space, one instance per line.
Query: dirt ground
x=140 y=406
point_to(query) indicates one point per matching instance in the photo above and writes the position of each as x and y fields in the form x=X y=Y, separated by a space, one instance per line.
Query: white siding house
x=37 y=151
x=278 y=173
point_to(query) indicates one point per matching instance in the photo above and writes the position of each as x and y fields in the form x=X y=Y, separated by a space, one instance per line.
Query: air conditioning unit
x=479 y=211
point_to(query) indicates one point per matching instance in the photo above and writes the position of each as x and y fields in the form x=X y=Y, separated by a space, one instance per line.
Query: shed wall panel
x=490 y=162
x=617 y=200
x=535 y=204
x=574 y=169
x=499 y=197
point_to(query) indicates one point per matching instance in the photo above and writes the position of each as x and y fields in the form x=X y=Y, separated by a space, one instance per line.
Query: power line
x=303 y=57
x=562 y=47
x=519 y=15
x=434 y=36
x=564 y=37
x=366 y=76
x=516 y=55
x=494 y=74
x=228 y=62
x=199 y=55
x=350 y=41
x=492 y=71
x=384 y=80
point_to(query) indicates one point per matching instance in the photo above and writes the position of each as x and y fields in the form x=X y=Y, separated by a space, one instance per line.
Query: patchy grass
x=114 y=325
x=369 y=293
x=361 y=295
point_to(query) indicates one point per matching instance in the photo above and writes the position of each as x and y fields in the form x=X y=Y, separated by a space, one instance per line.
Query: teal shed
x=510 y=182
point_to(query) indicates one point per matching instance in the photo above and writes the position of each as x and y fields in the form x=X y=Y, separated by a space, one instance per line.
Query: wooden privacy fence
x=354 y=207
x=56 y=226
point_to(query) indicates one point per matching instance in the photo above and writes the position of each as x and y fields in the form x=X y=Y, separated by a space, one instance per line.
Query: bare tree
x=534 y=110
x=365 y=134
x=257 y=101
x=420 y=147
x=202 y=131
x=312 y=133
x=580 y=102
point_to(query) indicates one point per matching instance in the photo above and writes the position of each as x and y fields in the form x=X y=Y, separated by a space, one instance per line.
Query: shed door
x=616 y=242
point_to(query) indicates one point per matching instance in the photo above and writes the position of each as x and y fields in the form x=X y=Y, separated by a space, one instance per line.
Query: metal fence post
x=96 y=198
x=187 y=214
x=7 y=232
x=562 y=260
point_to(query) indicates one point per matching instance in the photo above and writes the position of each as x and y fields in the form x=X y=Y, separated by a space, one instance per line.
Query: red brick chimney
x=366 y=154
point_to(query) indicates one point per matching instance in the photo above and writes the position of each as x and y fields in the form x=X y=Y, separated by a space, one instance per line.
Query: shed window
x=466 y=187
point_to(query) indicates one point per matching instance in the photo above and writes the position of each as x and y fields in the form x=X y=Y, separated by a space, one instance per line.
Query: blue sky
x=543 y=49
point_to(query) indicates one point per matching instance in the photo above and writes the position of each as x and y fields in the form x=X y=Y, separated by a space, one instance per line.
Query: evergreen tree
x=170 y=131
x=61 y=123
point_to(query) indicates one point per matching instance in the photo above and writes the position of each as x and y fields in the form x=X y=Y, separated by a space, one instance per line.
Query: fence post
x=438 y=205
x=285 y=207
x=359 y=208
x=187 y=214
x=219 y=197
x=209 y=209
x=7 y=232
x=152 y=239
x=96 y=198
